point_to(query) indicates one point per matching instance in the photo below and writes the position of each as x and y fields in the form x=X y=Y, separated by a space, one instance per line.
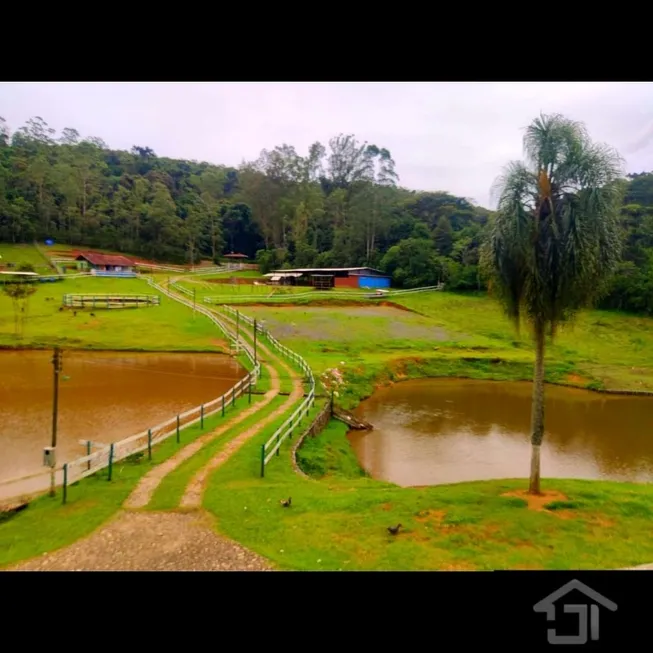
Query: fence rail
x=110 y=301
x=321 y=294
x=106 y=456
x=286 y=430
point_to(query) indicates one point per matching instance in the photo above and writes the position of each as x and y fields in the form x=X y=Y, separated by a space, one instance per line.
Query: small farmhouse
x=322 y=278
x=106 y=265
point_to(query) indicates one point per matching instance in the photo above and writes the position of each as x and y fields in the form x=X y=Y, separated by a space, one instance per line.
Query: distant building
x=235 y=257
x=323 y=278
x=106 y=265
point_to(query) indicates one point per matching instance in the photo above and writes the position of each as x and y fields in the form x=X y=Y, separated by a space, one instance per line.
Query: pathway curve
x=192 y=498
x=174 y=541
x=142 y=493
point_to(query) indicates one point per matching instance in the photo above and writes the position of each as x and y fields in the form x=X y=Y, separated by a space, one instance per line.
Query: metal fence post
x=110 y=461
x=290 y=430
x=278 y=443
x=177 y=429
x=88 y=453
x=202 y=416
x=222 y=405
x=65 y=482
x=233 y=396
x=149 y=444
x=262 y=460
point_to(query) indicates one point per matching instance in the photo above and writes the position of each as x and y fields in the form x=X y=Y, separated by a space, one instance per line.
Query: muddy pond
x=103 y=396
x=436 y=431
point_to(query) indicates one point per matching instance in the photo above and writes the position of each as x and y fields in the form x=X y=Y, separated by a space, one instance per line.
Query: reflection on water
x=435 y=431
x=108 y=396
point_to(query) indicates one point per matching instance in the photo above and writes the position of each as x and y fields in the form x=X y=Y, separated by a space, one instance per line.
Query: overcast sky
x=443 y=136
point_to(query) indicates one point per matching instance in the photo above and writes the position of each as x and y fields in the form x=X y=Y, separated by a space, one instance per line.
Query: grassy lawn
x=601 y=350
x=22 y=253
x=168 y=327
x=169 y=493
x=340 y=521
x=47 y=524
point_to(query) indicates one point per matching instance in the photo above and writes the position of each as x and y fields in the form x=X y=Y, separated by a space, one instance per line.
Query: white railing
x=107 y=455
x=321 y=294
x=288 y=427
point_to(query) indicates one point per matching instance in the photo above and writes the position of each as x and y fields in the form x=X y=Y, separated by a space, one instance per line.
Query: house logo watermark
x=588 y=613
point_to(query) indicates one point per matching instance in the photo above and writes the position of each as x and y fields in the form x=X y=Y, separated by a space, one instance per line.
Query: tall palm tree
x=555 y=239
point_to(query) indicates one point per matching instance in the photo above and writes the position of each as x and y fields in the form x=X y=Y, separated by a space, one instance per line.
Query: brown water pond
x=106 y=397
x=435 y=431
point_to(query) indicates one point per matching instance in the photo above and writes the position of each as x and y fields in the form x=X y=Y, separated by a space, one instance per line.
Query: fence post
x=278 y=443
x=110 y=460
x=149 y=444
x=233 y=397
x=222 y=405
x=290 y=430
x=262 y=460
x=177 y=429
x=249 y=389
x=254 y=341
x=65 y=482
x=202 y=416
x=88 y=453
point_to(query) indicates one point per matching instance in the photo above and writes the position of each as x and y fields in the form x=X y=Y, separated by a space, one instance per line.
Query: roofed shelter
x=235 y=257
x=322 y=278
x=106 y=265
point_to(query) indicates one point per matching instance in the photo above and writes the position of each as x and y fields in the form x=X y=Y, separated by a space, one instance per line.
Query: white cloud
x=443 y=136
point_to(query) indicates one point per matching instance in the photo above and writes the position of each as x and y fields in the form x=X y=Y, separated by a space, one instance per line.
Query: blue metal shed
x=373 y=282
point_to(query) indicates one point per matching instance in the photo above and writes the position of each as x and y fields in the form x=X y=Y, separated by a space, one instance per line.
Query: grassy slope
x=169 y=326
x=602 y=349
x=340 y=521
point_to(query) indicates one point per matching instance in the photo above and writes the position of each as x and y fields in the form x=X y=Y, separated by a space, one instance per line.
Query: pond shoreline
x=42 y=347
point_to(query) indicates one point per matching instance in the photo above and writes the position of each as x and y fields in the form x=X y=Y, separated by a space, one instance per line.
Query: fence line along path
x=105 y=457
x=290 y=425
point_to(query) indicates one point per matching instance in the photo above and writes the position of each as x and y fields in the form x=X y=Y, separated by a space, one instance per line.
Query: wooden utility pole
x=57 y=367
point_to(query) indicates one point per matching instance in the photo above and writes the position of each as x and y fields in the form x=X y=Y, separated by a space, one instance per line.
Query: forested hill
x=336 y=205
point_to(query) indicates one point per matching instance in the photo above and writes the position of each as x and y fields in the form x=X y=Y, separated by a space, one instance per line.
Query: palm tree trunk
x=537 y=416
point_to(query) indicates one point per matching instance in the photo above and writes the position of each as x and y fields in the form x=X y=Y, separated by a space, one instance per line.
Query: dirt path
x=142 y=493
x=152 y=541
x=192 y=497
x=171 y=541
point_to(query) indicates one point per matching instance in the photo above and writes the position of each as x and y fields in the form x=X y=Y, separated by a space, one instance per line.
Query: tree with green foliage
x=19 y=293
x=555 y=240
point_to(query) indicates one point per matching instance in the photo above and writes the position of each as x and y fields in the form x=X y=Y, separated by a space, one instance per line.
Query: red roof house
x=106 y=262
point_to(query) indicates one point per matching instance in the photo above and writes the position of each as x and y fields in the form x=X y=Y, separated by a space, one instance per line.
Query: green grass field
x=168 y=327
x=17 y=254
x=339 y=518
x=601 y=350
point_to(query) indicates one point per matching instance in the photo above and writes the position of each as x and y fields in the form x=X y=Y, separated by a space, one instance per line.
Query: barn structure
x=323 y=278
x=106 y=265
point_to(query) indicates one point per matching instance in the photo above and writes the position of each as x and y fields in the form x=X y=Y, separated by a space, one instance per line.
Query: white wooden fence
x=286 y=430
x=107 y=455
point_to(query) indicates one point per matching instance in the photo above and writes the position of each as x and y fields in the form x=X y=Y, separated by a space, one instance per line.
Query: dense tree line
x=337 y=205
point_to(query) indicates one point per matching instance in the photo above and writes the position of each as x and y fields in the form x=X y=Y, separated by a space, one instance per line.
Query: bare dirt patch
x=350 y=323
x=386 y=506
x=576 y=379
x=538 y=502
x=430 y=517
x=459 y=566
x=221 y=344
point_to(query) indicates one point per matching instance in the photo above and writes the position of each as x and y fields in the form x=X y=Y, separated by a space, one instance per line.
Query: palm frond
x=556 y=238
